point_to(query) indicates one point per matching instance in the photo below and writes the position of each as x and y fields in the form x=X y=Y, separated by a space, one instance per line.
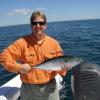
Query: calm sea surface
x=77 y=38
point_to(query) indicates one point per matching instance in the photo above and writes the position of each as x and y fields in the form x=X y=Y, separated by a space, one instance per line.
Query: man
x=29 y=51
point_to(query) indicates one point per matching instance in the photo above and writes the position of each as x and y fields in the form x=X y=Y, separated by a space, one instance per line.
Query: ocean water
x=77 y=38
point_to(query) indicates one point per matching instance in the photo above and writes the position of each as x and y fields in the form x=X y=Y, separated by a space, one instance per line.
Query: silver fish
x=59 y=63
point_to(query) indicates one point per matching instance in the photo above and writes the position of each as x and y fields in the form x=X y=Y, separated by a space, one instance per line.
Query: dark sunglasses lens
x=36 y=23
x=42 y=23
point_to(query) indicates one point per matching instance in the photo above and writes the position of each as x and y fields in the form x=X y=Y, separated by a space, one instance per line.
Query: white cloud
x=23 y=11
x=40 y=9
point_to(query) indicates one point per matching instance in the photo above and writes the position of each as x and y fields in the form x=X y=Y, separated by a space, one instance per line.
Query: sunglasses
x=36 y=23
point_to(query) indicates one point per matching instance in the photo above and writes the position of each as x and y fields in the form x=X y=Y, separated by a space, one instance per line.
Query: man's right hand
x=25 y=68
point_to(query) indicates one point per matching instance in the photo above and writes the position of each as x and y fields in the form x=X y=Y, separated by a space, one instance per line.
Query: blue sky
x=14 y=12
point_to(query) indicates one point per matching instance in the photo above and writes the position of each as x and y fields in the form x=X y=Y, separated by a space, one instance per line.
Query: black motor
x=85 y=82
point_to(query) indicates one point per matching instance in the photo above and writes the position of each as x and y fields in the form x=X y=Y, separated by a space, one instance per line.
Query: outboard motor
x=85 y=82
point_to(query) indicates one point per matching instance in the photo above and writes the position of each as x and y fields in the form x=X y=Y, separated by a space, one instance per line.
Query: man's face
x=38 y=26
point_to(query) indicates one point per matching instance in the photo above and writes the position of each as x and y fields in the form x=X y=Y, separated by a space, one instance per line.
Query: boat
x=85 y=83
x=11 y=89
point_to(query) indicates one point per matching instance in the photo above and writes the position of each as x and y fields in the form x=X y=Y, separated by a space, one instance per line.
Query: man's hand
x=62 y=72
x=25 y=68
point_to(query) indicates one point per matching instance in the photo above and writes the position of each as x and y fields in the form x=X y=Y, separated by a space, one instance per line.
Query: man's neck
x=39 y=38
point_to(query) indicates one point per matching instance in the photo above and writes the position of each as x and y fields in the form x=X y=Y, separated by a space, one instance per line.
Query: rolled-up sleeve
x=9 y=57
x=59 y=52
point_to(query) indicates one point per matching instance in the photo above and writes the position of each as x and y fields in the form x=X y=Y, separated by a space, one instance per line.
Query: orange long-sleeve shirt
x=27 y=50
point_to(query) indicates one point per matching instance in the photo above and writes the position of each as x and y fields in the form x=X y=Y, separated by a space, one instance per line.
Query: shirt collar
x=34 y=39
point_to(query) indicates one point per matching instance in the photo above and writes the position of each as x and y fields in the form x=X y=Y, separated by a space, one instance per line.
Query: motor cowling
x=85 y=81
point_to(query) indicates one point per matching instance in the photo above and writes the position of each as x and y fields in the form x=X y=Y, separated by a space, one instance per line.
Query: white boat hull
x=11 y=89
